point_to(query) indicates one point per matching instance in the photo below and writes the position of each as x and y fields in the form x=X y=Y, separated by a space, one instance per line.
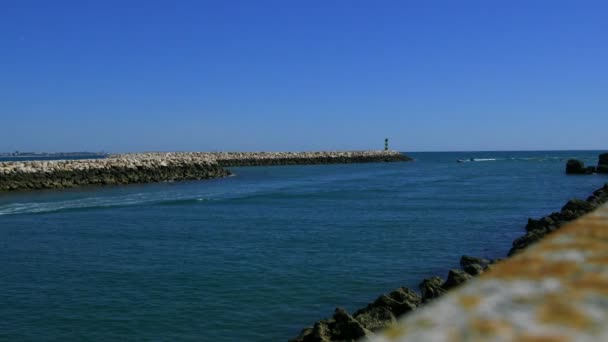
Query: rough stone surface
x=431 y=288
x=383 y=311
x=158 y=167
x=456 y=278
x=31 y=175
x=466 y=260
x=341 y=327
x=227 y=159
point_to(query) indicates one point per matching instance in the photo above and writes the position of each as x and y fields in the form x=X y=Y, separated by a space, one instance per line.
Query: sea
x=264 y=253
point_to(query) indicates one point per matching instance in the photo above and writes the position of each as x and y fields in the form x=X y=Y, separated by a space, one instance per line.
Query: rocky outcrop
x=537 y=229
x=602 y=164
x=161 y=167
x=577 y=167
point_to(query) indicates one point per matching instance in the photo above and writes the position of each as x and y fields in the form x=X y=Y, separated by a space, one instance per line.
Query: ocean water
x=260 y=255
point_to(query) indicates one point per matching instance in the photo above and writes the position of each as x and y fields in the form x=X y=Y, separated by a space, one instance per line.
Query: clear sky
x=118 y=75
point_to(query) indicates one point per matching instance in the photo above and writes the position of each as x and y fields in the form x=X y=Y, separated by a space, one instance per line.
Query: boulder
x=375 y=318
x=469 y=260
x=456 y=278
x=602 y=164
x=575 y=167
x=544 y=223
x=474 y=269
x=384 y=310
x=341 y=327
x=430 y=288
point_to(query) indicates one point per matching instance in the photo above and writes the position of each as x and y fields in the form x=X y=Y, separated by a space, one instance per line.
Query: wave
x=82 y=203
x=524 y=159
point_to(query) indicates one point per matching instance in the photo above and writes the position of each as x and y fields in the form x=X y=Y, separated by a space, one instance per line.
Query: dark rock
x=575 y=167
x=528 y=239
x=430 y=288
x=376 y=318
x=543 y=223
x=341 y=327
x=383 y=311
x=575 y=208
x=602 y=164
x=456 y=278
x=473 y=269
x=469 y=260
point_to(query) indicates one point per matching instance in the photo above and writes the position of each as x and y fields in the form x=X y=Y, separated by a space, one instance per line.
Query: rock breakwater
x=159 y=167
x=227 y=159
x=32 y=175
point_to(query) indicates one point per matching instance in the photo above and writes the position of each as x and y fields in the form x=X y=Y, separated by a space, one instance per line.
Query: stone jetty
x=162 y=167
x=227 y=159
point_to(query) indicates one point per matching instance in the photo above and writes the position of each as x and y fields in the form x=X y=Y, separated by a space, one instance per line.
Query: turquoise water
x=258 y=256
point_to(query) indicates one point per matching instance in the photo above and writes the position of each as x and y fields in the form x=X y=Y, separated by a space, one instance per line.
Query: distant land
x=53 y=154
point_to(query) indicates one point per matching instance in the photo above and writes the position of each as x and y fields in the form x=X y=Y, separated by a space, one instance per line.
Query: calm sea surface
x=258 y=256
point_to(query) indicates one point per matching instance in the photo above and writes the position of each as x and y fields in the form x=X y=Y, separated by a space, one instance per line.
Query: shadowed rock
x=474 y=269
x=341 y=327
x=384 y=310
x=574 y=167
x=469 y=260
x=430 y=288
x=456 y=278
x=602 y=164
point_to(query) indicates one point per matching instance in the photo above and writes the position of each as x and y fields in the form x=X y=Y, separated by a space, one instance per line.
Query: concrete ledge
x=555 y=290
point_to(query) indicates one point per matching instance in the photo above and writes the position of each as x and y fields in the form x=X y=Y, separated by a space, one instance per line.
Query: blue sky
x=303 y=75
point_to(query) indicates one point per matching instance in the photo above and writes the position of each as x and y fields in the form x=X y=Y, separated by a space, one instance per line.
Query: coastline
x=387 y=308
x=159 y=167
